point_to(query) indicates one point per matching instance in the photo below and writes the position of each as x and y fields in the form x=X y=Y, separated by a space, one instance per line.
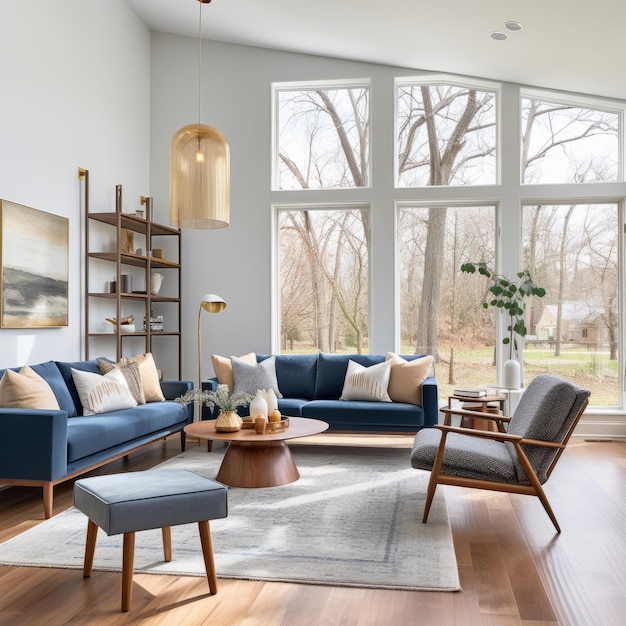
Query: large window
x=323 y=278
x=446 y=134
x=572 y=250
x=440 y=309
x=321 y=136
x=466 y=170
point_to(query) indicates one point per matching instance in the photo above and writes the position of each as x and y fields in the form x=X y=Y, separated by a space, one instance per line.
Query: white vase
x=272 y=400
x=258 y=406
x=511 y=374
x=156 y=280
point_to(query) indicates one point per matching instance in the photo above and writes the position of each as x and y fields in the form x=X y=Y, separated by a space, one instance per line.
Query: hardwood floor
x=513 y=568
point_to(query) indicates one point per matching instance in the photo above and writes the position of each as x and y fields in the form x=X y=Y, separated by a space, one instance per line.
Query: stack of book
x=470 y=393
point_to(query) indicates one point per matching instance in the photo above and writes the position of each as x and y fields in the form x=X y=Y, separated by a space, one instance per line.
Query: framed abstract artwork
x=34 y=267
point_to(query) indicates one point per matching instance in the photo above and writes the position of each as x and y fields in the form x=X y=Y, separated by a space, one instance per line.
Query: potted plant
x=509 y=295
x=228 y=420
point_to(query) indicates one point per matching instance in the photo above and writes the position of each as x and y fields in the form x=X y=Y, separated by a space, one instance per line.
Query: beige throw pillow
x=223 y=367
x=26 y=390
x=405 y=382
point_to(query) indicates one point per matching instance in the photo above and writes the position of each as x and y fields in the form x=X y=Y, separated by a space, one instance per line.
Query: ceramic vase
x=511 y=374
x=156 y=281
x=258 y=406
x=272 y=400
x=228 y=422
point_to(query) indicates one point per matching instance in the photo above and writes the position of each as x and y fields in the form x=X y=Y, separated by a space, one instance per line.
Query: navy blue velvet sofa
x=311 y=385
x=42 y=448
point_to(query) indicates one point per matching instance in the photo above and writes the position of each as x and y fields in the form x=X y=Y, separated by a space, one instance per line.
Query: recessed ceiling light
x=513 y=25
x=497 y=35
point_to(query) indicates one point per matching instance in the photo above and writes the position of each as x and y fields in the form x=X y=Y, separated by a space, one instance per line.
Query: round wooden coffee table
x=253 y=460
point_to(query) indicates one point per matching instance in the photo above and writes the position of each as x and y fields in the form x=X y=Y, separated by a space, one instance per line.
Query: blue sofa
x=311 y=385
x=42 y=448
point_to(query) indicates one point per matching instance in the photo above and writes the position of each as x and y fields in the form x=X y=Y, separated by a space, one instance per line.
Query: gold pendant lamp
x=199 y=169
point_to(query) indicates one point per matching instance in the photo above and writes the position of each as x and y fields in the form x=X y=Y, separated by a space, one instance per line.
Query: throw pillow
x=131 y=374
x=366 y=383
x=223 y=368
x=149 y=375
x=26 y=390
x=100 y=394
x=249 y=377
x=405 y=382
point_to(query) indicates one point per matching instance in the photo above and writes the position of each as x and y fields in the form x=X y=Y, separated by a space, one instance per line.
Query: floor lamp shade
x=199 y=178
x=211 y=303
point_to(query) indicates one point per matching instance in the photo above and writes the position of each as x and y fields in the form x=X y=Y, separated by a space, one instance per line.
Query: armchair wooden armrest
x=484 y=434
x=499 y=420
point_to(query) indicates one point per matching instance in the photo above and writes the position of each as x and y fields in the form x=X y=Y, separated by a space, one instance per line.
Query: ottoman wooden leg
x=127 y=570
x=90 y=546
x=166 y=531
x=207 y=553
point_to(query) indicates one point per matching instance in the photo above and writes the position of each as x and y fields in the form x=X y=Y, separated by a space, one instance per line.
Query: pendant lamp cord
x=199 y=62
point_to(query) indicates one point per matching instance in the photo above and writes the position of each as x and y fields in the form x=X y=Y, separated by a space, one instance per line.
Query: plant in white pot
x=509 y=295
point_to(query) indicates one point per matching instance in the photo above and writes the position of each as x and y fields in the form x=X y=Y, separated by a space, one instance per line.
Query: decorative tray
x=270 y=427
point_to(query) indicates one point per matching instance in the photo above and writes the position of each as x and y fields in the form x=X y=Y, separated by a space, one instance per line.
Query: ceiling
x=572 y=45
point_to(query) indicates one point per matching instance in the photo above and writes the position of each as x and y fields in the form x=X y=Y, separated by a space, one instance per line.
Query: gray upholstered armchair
x=518 y=459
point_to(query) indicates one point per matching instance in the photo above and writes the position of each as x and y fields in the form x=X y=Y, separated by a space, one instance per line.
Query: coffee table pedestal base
x=263 y=464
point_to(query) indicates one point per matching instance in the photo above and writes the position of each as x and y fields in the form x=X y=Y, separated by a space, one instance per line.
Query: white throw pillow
x=100 y=394
x=367 y=383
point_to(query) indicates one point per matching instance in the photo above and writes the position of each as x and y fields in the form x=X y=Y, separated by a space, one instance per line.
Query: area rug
x=352 y=519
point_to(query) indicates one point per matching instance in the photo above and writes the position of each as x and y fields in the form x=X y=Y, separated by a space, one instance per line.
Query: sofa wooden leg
x=48 y=496
x=183 y=440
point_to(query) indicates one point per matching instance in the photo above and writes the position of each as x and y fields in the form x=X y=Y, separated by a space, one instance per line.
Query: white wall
x=74 y=91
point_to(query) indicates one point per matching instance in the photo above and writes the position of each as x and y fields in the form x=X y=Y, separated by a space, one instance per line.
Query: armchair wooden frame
x=534 y=489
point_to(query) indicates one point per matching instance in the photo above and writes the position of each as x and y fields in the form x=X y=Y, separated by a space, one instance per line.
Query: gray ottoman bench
x=127 y=503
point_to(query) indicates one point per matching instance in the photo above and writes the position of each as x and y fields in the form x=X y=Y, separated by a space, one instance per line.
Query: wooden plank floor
x=514 y=569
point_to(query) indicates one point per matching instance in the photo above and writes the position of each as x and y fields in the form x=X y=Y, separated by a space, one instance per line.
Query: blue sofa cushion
x=295 y=373
x=51 y=374
x=370 y=416
x=65 y=367
x=87 y=435
x=331 y=372
x=291 y=407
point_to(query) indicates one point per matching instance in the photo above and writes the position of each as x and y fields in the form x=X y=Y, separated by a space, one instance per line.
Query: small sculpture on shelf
x=125 y=324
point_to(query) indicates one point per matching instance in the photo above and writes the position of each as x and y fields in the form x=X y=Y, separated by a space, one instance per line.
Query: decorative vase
x=272 y=401
x=258 y=406
x=228 y=422
x=156 y=280
x=511 y=377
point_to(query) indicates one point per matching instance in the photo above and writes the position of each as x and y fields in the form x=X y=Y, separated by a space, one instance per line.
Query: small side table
x=483 y=401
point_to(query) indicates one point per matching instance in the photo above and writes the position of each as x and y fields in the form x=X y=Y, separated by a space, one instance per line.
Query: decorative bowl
x=127 y=328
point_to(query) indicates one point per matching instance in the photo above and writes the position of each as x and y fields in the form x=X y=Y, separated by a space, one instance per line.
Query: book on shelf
x=470 y=393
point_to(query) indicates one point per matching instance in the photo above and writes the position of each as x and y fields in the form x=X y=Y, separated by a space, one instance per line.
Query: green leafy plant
x=222 y=398
x=508 y=295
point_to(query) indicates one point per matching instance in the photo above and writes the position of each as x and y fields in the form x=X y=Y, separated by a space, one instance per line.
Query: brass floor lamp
x=212 y=304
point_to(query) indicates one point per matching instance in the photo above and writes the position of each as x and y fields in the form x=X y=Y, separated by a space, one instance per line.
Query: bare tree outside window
x=323 y=138
x=573 y=250
x=560 y=140
x=324 y=282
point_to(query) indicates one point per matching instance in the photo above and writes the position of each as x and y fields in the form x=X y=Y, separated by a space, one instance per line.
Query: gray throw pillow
x=248 y=377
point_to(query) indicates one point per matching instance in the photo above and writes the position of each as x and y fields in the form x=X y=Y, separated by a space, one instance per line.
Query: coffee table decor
x=228 y=420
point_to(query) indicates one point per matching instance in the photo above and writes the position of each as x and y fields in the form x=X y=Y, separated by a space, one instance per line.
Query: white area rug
x=353 y=519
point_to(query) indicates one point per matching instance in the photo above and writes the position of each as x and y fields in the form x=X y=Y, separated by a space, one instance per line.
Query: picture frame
x=34 y=267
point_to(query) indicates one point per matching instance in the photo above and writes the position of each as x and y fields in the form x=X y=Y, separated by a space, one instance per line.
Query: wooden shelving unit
x=101 y=303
